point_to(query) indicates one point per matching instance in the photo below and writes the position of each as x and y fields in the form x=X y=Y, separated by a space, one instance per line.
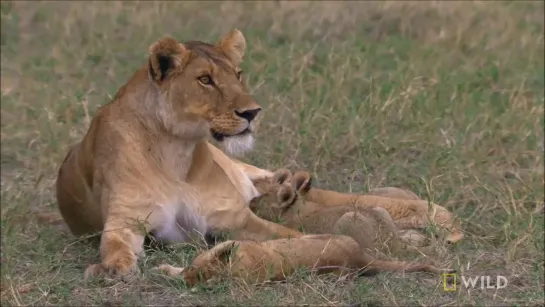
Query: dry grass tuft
x=444 y=98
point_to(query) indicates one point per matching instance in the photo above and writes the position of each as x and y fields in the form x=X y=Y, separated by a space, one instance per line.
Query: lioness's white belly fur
x=183 y=221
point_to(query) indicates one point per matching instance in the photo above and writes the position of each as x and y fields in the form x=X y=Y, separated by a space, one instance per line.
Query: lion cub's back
x=325 y=219
x=321 y=249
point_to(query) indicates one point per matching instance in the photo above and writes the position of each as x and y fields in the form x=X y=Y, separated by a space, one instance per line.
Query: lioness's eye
x=205 y=79
x=239 y=75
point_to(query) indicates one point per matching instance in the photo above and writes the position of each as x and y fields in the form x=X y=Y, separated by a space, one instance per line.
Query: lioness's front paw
x=126 y=270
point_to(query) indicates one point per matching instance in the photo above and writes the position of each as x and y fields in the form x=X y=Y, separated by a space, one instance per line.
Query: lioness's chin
x=238 y=145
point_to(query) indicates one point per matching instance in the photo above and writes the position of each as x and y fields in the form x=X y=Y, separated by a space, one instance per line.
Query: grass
x=443 y=98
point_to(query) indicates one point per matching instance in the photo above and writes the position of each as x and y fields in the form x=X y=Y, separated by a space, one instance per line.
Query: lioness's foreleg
x=256 y=228
x=120 y=245
x=253 y=172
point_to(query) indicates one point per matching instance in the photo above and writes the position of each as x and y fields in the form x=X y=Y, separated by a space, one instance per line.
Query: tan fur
x=406 y=211
x=393 y=192
x=145 y=164
x=275 y=260
x=282 y=200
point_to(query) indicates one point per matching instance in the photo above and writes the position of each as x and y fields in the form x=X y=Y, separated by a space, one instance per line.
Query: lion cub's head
x=279 y=193
x=200 y=91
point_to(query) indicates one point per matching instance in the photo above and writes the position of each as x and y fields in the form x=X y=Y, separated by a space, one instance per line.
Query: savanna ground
x=445 y=99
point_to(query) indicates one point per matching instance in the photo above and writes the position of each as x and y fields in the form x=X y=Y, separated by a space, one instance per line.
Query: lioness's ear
x=301 y=182
x=285 y=197
x=234 y=45
x=165 y=55
x=281 y=175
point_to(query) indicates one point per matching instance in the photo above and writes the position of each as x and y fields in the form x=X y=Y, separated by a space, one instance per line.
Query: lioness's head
x=201 y=90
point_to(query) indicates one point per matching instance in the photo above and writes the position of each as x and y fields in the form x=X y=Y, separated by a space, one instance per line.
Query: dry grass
x=444 y=98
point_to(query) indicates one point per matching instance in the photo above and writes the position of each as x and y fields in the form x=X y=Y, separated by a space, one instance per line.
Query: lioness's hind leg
x=394 y=192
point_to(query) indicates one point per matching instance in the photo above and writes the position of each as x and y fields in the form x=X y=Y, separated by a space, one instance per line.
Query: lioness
x=406 y=211
x=145 y=164
x=282 y=200
x=275 y=260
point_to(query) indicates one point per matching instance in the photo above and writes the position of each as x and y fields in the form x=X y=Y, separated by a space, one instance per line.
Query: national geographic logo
x=483 y=282
x=449 y=282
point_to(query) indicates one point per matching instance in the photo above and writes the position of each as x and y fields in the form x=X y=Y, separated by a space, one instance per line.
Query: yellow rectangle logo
x=449 y=282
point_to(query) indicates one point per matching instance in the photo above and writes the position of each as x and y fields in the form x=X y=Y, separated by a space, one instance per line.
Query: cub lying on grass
x=406 y=211
x=275 y=260
x=370 y=227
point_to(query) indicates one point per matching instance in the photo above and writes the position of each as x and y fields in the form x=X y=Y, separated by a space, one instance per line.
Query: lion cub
x=275 y=260
x=405 y=208
x=282 y=200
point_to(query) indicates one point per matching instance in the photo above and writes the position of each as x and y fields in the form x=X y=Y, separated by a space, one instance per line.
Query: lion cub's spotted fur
x=406 y=209
x=275 y=260
x=282 y=200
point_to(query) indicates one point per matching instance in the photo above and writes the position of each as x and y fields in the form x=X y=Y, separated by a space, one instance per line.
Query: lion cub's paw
x=124 y=273
x=169 y=270
x=413 y=237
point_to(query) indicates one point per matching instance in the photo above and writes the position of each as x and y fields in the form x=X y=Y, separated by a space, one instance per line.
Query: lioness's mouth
x=220 y=136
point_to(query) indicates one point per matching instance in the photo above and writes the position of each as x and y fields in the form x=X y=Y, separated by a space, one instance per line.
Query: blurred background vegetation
x=443 y=98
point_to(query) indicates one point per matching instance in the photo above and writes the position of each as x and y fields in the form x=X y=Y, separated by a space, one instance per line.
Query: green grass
x=446 y=99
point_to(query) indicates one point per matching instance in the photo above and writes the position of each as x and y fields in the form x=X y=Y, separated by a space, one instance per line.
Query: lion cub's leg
x=413 y=237
x=385 y=218
x=412 y=222
x=393 y=192
x=410 y=236
x=374 y=230
x=120 y=245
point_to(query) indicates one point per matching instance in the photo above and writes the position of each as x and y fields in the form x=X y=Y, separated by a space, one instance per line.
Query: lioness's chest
x=220 y=188
x=217 y=174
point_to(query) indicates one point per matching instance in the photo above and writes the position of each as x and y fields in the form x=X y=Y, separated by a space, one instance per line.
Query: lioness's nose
x=249 y=115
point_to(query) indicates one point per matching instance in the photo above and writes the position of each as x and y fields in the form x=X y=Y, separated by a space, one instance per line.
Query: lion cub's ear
x=165 y=55
x=301 y=182
x=225 y=251
x=234 y=45
x=284 y=196
x=281 y=175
